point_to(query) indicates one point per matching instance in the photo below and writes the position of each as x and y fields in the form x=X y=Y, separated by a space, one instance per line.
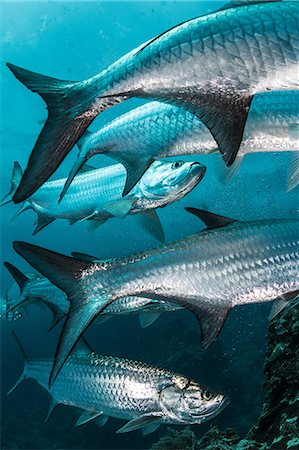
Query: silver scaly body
x=39 y=290
x=96 y=195
x=106 y=386
x=211 y=65
x=159 y=130
x=209 y=273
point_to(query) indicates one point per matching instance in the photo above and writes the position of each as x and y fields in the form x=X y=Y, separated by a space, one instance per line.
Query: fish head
x=185 y=401
x=169 y=180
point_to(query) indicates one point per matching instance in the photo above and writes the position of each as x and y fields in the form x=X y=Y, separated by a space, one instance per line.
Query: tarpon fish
x=107 y=386
x=38 y=290
x=96 y=195
x=230 y=263
x=157 y=130
x=211 y=65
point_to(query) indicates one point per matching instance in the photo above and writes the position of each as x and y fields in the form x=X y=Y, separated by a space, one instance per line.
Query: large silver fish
x=36 y=289
x=107 y=386
x=156 y=130
x=96 y=195
x=231 y=263
x=211 y=65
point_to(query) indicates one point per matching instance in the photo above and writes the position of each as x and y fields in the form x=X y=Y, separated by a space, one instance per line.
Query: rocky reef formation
x=278 y=425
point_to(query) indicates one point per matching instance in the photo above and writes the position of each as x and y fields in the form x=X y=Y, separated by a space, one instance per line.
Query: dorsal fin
x=19 y=277
x=211 y=220
x=84 y=257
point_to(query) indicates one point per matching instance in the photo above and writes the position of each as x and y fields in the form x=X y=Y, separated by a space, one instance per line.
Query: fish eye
x=207 y=395
x=177 y=164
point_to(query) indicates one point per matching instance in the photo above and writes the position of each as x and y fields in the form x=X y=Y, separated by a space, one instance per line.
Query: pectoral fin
x=141 y=422
x=119 y=208
x=147 y=319
x=150 y=222
x=87 y=416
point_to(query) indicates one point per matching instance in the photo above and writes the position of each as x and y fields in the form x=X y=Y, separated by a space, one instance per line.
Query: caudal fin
x=68 y=274
x=23 y=376
x=18 y=276
x=15 y=181
x=70 y=113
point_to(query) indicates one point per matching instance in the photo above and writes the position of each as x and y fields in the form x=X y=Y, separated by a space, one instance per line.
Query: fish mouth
x=212 y=411
x=218 y=408
x=201 y=170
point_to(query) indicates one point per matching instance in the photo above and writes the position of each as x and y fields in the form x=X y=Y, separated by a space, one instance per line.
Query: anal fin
x=224 y=115
x=135 y=165
x=211 y=321
x=42 y=221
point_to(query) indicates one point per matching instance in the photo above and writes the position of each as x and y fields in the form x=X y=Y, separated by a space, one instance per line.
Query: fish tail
x=66 y=273
x=15 y=181
x=17 y=275
x=25 y=356
x=70 y=112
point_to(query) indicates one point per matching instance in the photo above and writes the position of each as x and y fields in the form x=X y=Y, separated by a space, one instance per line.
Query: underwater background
x=74 y=40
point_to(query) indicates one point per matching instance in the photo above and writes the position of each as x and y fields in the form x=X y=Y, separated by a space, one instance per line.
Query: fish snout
x=199 y=169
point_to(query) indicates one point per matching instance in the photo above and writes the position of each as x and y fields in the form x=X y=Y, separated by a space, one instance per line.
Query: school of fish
x=226 y=82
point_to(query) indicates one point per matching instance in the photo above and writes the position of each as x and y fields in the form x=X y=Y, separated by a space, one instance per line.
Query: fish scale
x=111 y=386
x=156 y=130
x=205 y=77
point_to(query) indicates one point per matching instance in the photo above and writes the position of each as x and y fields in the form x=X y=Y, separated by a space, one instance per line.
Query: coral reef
x=278 y=425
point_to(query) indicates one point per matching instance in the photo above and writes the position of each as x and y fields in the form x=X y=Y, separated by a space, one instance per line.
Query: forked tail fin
x=18 y=276
x=71 y=110
x=23 y=375
x=68 y=274
x=15 y=181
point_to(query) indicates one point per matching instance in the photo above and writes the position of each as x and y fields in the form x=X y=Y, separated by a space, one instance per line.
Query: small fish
x=211 y=65
x=38 y=290
x=230 y=263
x=107 y=386
x=96 y=194
x=157 y=130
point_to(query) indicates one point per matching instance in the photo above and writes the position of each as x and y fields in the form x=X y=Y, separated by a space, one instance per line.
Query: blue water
x=74 y=40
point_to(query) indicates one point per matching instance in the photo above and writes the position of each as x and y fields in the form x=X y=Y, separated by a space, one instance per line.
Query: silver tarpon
x=156 y=130
x=229 y=264
x=107 y=386
x=96 y=195
x=36 y=289
x=211 y=65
